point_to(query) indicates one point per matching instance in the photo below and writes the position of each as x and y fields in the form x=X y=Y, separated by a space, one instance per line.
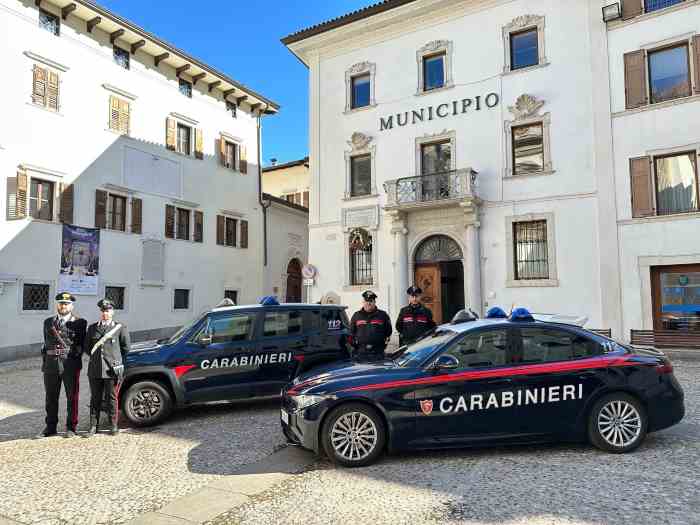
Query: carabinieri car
x=479 y=382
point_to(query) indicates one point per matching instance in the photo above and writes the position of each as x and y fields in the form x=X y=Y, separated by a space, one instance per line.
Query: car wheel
x=617 y=423
x=353 y=435
x=147 y=403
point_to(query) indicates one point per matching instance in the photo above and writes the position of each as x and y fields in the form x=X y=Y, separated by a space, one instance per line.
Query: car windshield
x=177 y=335
x=413 y=355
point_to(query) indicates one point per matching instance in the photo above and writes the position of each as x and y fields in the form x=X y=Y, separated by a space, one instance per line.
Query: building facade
x=483 y=151
x=114 y=129
x=290 y=181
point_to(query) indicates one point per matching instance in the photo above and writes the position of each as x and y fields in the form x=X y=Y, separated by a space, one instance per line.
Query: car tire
x=617 y=423
x=353 y=435
x=147 y=403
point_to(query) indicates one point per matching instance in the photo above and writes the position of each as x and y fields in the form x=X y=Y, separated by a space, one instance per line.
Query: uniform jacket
x=114 y=349
x=413 y=322
x=370 y=328
x=73 y=335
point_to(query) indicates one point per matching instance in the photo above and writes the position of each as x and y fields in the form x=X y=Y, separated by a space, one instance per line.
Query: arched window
x=360 y=242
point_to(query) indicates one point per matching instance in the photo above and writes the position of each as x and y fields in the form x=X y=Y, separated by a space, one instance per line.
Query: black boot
x=47 y=432
x=94 y=420
x=114 y=430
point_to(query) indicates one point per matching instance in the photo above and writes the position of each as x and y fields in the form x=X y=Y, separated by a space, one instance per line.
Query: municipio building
x=536 y=153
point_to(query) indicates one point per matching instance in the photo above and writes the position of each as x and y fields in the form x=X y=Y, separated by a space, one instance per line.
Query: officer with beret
x=414 y=319
x=106 y=343
x=370 y=328
x=64 y=334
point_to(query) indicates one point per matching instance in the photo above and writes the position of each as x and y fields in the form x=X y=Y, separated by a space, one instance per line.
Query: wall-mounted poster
x=80 y=260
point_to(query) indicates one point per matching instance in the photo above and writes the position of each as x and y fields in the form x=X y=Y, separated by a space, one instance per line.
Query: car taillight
x=664 y=368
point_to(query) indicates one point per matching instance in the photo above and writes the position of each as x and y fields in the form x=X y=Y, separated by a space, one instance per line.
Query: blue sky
x=242 y=39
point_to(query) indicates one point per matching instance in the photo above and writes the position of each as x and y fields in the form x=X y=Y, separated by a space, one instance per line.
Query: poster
x=80 y=260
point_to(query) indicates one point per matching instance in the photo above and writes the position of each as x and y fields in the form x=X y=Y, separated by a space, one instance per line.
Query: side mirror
x=445 y=362
x=204 y=340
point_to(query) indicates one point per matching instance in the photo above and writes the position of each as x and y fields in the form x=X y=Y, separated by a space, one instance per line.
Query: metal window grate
x=360 y=257
x=182 y=299
x=185 y=88
x=530 y=250
x=116 y=295
x=653 y=5
x=35 y=297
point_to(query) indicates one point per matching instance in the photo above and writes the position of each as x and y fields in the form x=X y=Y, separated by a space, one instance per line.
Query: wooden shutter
x=170 y=221
x=222 y=150
x=67 y=199
x=136 y=215
x=124 y=117
x=243 y=159
x=631 y=8
x=39 y=86
x=696 y=61
x=220 y=227
x=244 y=234
x=100 y=209
x=635 y=79
x=52 y=91
x=641 y=187
x=17 y=196
x=198 y=143
x=198 y=226
x=170 y=134
x=113 y=113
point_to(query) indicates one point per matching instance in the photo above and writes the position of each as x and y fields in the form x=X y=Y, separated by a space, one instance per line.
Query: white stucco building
x=109 y=127
x=482 y=149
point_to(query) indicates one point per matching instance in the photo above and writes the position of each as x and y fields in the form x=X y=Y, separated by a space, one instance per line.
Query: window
x=360 y=257
x=232 y=107
x=185 y=87
x=41 y=199
x=121 y=57
x=676 y=183
x=181 y=299
x=360 y=175
x=305 y=199
x=433 y=71
x=230 y=155
x=45 y=88
x=530 y=250
x=116 y=295
x=230 y=232
x=543 y=345
x=334 y=319
x=49 y=22
x=116 y=212
x=484 y=348
x=523 y=49
x=528 y=149
x=655 y=5
x=35 y=297
x=231 y=328
x=184 y=134
x=244 y=234
x=436 y=157
x=119 y=115
x=183 y=224
x=282 y=323
x=669 y=73
x=361 y=91
x=231 y=294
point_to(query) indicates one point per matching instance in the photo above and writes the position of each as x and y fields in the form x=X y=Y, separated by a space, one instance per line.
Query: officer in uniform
x=64 y=334
x=414 y=319
x=106 y=343
x=370 y=328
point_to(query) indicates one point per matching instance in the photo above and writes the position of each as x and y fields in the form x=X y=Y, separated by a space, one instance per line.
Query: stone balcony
x=432 y=190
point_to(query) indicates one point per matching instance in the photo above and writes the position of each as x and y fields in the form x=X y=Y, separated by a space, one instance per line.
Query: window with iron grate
x=530 y=250
x=116 y=295
x=35 y=297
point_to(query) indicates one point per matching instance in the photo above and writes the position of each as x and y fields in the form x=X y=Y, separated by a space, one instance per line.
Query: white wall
x=287 y=239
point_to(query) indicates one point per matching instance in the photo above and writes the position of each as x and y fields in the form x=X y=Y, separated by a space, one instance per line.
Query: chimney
x=273 y=162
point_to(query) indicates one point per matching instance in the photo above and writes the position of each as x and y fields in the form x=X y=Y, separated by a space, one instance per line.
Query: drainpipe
x=264 y=204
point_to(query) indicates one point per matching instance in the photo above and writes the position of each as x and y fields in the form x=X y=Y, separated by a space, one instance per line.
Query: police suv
x=485 y=381
x=230 y=353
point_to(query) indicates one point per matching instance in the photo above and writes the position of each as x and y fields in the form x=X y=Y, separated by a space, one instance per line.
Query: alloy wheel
x=146 y=404
x=619 y=423
x=354 y=436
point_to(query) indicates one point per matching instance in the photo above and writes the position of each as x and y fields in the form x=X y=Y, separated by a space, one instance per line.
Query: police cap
x=414 y=290
x=65 y=297
x=369 y=296
x=105 y=304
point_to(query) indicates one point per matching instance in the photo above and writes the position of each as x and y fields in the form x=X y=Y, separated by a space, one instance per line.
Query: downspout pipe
x=264 y=204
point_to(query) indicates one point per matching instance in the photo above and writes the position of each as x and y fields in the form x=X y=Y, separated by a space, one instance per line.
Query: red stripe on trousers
x=76 y=397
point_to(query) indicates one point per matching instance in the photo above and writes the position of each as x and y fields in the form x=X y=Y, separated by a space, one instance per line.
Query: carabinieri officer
x=64 y=334
x=415 y=319
x=106 y=343
x=370 y=328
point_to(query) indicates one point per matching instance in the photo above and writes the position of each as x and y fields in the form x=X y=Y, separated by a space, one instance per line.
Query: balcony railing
x=431 y=188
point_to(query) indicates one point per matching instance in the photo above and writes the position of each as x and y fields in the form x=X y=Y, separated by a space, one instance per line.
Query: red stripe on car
x=182 y=369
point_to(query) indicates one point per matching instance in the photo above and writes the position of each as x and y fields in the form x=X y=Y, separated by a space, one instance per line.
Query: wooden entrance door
x=294 y=281
x=428 y=279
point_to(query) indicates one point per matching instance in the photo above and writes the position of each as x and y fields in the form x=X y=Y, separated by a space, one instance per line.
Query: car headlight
x=305 y=401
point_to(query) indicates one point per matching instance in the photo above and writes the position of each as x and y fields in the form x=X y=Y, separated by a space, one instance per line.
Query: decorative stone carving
x=357 y=69
x=434 y=45
x=526 y=106
x=359 y=141
x=360 y=67
x=522 y=21
x=431 y=47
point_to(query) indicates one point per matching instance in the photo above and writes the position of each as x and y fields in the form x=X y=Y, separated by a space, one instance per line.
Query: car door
x=474 y=401
x=222 y=353
x=561 y=371
x=281 y=339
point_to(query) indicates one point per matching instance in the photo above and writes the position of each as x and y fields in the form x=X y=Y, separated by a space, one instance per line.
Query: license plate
x=285 y=417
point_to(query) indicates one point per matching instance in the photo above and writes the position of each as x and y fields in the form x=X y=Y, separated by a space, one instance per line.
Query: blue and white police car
x=503 y=379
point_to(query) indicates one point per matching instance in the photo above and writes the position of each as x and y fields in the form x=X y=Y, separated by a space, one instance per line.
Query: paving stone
x=203 y=504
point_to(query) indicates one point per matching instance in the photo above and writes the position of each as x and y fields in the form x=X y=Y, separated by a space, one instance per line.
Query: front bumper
x=302 y=426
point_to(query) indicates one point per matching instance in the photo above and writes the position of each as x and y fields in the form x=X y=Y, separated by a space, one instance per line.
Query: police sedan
x=485 y=381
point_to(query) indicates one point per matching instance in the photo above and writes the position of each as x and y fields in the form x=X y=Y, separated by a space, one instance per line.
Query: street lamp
x=611 y=12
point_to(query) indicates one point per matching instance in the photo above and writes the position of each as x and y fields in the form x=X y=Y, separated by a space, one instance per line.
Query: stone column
x=472 y=259
x=400 y=263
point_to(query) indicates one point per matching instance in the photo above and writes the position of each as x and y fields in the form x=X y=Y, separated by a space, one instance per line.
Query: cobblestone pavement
x=112 y=479
x=534 y=485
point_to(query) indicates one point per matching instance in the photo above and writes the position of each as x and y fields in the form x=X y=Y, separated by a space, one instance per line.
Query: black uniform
x=104 y=383
x=62 y=361
x=370 y=330
x=413 y=322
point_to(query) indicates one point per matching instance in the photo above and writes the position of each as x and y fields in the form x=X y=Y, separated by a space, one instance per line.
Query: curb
x=682 y=353
x=231 y=491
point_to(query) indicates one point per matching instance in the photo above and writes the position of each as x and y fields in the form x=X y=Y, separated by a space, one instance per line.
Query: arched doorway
x=440 y=273
x=294 y=281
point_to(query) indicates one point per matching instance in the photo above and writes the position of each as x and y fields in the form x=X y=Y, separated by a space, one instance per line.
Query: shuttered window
x=183 y=224
x=67 y=199
x=669 y=73
x=116 y=212
x=227 y=153
x=170 y=221
x=198 y=234
x=41 y=199
x=243 y=159
x=136 y=215
x=45 y=88
x=631 y=8
x=198 y=143
x=230 y=239
x=306 y=199
x=100 y=209
x=244 y=234
x=184 y=139
x=119 y=115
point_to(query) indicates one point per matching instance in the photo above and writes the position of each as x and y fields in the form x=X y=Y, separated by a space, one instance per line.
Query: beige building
x=290 y=181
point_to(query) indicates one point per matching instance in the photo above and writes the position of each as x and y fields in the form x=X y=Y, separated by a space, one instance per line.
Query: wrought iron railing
x=431 y=187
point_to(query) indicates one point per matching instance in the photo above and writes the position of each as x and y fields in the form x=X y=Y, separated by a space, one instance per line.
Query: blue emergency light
x=496 y=312
x=521 y=314
x=269 y=300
